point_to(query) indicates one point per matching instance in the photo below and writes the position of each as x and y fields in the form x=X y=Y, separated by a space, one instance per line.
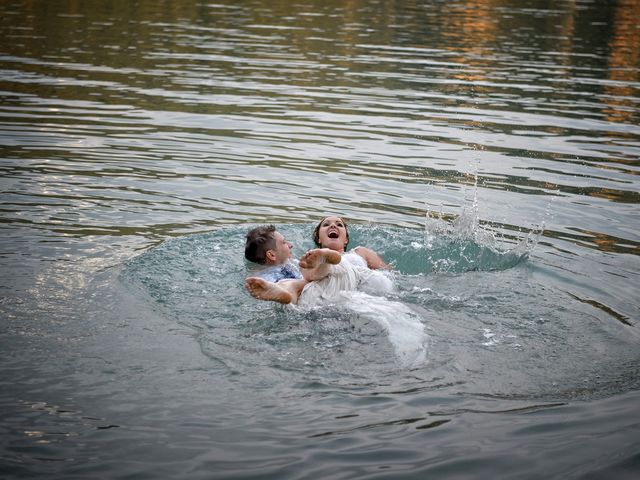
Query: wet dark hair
x=259 y=240
x=316 y=231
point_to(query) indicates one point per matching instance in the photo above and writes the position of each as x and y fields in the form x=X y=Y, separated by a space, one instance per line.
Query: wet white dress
x=356 y=288
x=352 y=273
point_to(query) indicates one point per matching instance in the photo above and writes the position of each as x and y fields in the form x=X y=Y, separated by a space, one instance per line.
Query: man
x=281 y=281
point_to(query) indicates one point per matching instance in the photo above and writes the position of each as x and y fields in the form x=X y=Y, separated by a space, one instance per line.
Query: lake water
x=488 y=149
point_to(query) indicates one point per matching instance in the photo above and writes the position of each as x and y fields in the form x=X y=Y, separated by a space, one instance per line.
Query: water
x=487 y=149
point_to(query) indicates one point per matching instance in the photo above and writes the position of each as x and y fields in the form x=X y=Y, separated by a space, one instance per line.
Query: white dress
x=404 y=328
x=352 y=273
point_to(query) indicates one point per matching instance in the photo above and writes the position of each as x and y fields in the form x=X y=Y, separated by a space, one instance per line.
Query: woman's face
x=332 y=233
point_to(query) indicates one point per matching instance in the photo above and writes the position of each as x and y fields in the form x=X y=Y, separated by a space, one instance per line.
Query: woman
x=332 y=233
x=355 y=271
x=327 y=274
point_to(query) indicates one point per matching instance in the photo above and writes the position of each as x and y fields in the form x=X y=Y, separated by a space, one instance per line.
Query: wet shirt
x=288 y=271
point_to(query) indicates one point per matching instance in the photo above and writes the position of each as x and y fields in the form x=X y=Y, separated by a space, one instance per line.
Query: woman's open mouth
x=333 y=234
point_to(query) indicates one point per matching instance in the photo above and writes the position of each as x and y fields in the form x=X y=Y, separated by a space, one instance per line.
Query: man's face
x=282 y=251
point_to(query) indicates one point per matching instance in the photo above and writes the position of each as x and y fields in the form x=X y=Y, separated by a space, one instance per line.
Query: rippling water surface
x=488 y=149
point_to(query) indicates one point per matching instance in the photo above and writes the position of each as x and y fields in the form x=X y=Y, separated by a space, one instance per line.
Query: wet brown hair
x=316 y=231
x=259 y=240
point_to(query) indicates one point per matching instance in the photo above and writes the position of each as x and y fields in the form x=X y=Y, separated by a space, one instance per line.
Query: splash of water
x=455 y=244
x=194 y=280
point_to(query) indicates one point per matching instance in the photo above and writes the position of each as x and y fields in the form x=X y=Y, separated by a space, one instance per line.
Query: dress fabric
x=352 y=273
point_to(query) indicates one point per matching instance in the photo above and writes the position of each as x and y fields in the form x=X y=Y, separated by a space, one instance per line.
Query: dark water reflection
x=125 y=123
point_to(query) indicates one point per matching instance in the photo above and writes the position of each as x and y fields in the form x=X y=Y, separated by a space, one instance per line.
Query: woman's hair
x=316 y=232
x=259 y=240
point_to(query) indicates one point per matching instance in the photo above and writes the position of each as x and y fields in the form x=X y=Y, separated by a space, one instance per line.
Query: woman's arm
x=316 y=263
x=374 y=261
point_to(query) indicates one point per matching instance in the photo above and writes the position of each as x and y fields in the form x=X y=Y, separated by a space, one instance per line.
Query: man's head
x=267 y=246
